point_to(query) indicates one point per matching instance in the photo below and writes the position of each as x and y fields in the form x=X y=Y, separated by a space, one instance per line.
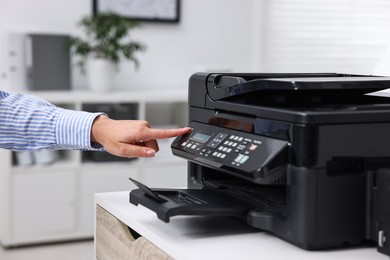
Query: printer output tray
x=202 y=202
x=191 y=202
x=207 y=202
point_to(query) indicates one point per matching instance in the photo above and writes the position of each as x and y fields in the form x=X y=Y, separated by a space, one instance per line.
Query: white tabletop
x=194 y=238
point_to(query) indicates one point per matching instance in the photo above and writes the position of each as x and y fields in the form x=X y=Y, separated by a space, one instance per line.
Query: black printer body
x=302 y=156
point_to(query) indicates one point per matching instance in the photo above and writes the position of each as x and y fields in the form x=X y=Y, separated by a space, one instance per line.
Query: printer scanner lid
x=307 y=98
x=221 y=86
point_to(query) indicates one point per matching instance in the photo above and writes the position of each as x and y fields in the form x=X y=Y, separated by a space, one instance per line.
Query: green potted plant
x=106 y=44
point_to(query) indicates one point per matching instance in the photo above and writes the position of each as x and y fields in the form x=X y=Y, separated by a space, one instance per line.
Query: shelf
x=110 y=165
x=43 y=159
x=119 y=111
x=44 y=168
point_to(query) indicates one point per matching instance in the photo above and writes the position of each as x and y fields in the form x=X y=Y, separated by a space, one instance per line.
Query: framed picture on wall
x=141 y=10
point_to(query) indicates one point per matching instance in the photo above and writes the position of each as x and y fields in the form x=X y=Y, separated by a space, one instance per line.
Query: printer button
x=241 y=147
x=213 y=144
x=238 y=158
x=244 y=159
x=184 y=144
x=222 y=136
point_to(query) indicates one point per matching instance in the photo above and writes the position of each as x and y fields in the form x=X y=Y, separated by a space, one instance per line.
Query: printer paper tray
x=168 y=203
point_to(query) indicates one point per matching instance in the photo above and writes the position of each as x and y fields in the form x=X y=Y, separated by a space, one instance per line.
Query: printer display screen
x=200 y=137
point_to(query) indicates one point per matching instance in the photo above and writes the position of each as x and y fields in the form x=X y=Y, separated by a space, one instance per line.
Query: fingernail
x=150 y=153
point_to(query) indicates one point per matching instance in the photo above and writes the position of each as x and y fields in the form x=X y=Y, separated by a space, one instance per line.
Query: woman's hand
x=130 y=138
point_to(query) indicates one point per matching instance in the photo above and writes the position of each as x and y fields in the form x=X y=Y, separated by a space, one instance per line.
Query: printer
x=305 y=157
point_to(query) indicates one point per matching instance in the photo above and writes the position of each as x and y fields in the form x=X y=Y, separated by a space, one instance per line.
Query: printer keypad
x=191 y=145
x=217 y=140
x=206 y=152
x=232 y=149
x=223 y=145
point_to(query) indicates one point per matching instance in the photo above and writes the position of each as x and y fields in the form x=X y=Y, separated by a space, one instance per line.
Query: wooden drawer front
x=115 y=241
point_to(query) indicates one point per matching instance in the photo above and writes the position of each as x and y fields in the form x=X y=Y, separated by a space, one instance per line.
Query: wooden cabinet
x=49 y=196
x=115 y=240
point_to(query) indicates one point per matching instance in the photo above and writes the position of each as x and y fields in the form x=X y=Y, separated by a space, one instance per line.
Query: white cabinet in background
x=52 y=200
x=165 y=175
x=105 y=178
x=43 y=202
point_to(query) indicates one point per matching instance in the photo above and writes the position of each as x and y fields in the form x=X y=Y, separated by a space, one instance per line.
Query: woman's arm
x=28 y=123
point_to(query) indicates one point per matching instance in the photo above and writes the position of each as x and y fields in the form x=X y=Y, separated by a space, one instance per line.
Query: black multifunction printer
x=305 y=157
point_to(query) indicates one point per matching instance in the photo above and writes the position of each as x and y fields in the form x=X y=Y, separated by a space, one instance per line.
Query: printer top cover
x=305 y=98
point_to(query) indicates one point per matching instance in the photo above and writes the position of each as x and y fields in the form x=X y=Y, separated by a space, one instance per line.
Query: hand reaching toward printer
x=31 y=123
x=130 y=138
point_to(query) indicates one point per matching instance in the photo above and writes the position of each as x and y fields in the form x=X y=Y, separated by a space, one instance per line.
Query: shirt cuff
x=73 y=130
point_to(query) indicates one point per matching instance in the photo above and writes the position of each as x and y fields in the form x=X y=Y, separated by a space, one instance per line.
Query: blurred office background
x=346 y=36
x=247 y=35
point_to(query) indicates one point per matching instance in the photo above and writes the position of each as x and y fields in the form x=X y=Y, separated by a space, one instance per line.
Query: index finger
x=153 y=133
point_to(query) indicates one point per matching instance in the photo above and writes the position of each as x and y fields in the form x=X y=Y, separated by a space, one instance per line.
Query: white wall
x=348 y=36
x=212 y=34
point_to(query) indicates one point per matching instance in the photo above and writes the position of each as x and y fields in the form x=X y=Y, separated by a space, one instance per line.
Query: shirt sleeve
x=29 y=123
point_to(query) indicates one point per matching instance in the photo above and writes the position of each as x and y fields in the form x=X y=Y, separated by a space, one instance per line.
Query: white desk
x=194 y=238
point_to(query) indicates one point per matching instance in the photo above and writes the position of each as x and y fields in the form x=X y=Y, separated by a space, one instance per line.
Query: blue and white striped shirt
x=29 y=123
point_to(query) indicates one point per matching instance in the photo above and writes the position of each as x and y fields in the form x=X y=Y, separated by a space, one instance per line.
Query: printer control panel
x=221 y=145
x=227 y=148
